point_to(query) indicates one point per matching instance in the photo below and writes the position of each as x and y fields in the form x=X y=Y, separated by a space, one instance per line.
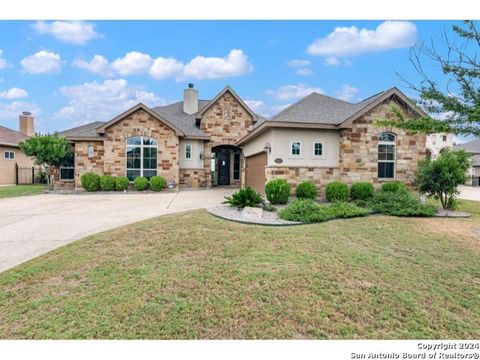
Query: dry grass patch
x=192 y=275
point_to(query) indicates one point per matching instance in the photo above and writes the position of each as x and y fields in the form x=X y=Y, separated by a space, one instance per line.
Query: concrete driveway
x=33 y=225
x=469 y=193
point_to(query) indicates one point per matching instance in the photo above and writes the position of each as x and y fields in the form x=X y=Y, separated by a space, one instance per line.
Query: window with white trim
x=90 y=151
x=317 y=149
x=295 y=148
x=9 y=155
x=386 y=156
x=141 y=157
x=188 y=151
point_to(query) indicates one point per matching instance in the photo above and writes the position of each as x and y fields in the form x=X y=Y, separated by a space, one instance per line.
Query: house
x=204 y=143
x=436 y=143
x=473 y=148
x=15 y=166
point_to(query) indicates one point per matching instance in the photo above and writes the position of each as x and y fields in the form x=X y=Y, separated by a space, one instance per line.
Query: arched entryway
x=226 y=165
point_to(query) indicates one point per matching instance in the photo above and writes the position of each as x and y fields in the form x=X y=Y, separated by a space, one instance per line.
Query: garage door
x=255 y=171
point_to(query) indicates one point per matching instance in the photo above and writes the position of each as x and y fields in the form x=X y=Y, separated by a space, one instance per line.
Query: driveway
x=33 y=225
x=469 y=193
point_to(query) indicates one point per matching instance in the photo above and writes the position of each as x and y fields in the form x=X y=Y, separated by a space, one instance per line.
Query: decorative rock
x=452 y=214
x=252 y=212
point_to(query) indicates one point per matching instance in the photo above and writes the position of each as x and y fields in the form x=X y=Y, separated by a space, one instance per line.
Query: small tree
x=440 y=178
x=50 y=151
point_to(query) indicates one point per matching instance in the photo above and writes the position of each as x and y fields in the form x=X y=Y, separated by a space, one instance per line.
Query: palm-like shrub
x=277 y=191
x=306 y=190
x=140 y=183
x=336 y=191
x=90 y=181
x=244 y=197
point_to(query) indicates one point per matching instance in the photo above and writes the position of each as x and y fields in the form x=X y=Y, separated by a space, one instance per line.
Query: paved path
x=33 y=225
x=469 y=193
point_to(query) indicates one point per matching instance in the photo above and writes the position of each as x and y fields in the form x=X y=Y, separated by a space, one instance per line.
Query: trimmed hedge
x=90 y=181
x=107 y=183
x=394 y=186
x=121 y=183
x=277 y=191
x=305 y=211
x=306 y=190
x=341 y=209
x=400 y=203
x=140 y=183
x=336 y=191
x=157 y=183
x=362 y=191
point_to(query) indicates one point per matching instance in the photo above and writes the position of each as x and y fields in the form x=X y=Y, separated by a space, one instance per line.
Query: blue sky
x=71 y=73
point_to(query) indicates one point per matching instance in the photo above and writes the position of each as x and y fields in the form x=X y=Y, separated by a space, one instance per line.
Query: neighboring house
x=204 y=143
x=12 y=157
x=473 y=148
x=436 y=143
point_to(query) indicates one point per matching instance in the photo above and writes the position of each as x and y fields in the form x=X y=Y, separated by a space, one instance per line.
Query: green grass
x=192 y=275
x=20 y=190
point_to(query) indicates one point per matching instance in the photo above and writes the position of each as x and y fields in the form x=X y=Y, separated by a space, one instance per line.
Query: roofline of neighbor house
x=4 y=143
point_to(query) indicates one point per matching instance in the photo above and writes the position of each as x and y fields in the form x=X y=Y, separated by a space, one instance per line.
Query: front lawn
x=20 y=190
x=192 y=275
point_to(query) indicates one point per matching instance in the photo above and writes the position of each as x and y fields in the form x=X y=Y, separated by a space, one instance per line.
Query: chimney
x=190 y=100
x=26 y=123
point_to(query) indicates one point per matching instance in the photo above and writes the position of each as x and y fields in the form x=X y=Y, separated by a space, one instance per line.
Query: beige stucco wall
x=258 y=144
x=197 y=147
x=7 y=167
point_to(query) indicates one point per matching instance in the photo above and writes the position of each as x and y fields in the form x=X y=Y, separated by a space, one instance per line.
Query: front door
x=223 y=168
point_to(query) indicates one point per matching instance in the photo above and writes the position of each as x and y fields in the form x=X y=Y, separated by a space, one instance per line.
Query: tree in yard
x=456 y=104
x=50 y=151
x=440 y=178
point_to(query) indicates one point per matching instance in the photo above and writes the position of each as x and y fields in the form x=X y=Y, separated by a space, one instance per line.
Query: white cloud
x=75 y=32
x=132 y=63
x=3 y=63
x=304 y=72
x=13 y=93
x=347 y=93
x=42 y=62
x=255 y=105
x=11 y=110
x=236 y=63
x=166 y=67
x=291 y=92
x=298 y=63
x=348 y=41
x=98 y=65
x=95 y=101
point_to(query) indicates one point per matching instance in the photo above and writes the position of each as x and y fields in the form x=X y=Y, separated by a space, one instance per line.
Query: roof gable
x=236 y=97
x=101 y=129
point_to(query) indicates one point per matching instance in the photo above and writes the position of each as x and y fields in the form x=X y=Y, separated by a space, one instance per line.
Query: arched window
x=386 y=156
x=141 y=157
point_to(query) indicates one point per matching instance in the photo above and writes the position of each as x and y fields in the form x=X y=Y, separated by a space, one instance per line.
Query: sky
x=69 y=73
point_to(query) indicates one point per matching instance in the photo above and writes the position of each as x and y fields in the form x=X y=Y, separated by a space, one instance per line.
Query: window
x=236 y=166
x=444 y=137
x=141 y=157
x=386 y=156
x=9 y=155
x=67 y=169
x=188 y=151
x=295 y=147
x=317 y=149
x=90 y=151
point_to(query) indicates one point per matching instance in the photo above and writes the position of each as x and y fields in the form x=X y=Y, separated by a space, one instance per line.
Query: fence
x=25 y=175
x=476 y=181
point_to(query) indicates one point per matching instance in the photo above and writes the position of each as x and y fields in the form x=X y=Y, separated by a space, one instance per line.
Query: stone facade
x=192 y=178
x=225 y=121
x=359 y=149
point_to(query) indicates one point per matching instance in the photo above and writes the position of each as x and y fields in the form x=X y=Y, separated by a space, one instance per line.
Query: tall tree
x=50 y=152
x=457 y=103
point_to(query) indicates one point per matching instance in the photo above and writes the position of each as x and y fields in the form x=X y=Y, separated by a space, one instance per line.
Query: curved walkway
x=33 y=225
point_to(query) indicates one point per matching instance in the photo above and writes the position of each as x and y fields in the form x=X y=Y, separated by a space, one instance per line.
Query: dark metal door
x=223 y=168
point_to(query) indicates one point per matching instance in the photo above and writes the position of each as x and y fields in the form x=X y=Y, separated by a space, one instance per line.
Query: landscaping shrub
x=121 y=183
x=140 y=183
x=277 y=191
x=157 y=183
x=394 y=186
x=306 y=211
x=362 y=191
x=244 y=197
x=400 y=203
x=306 y=190
x=90 y=181
x=342 y=209
x=337 y=191
x=107 y=183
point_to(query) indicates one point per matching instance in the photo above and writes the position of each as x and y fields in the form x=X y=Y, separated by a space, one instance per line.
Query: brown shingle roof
x=10 y=137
